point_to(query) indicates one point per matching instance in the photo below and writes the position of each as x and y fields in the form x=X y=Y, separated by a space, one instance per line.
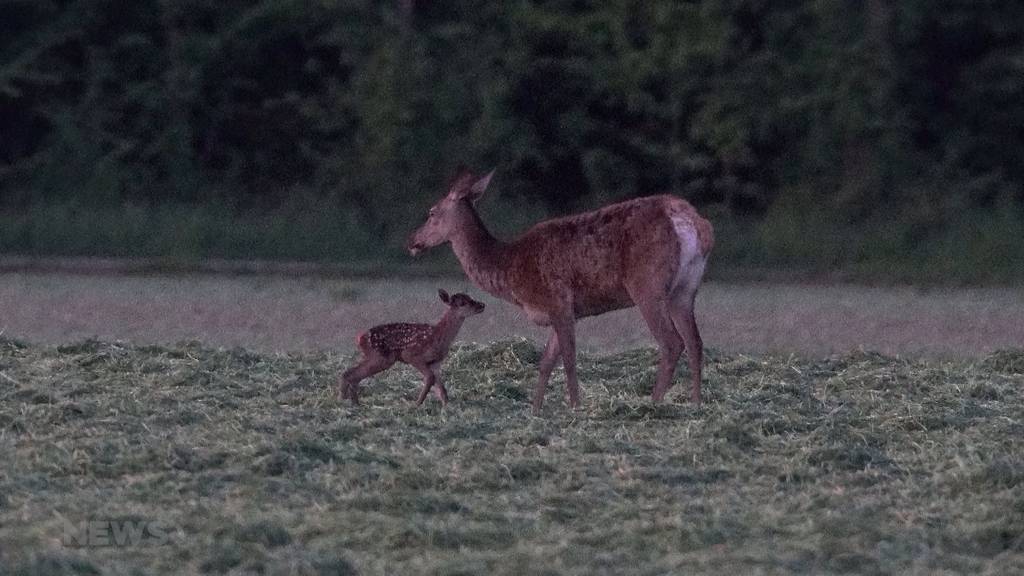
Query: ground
x=243 y=461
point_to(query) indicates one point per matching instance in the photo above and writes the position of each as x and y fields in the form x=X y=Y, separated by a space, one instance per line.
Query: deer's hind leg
x=430 y=378
x=681 y=307
x=670 y=346
x=372 y=363
x=686 y=324
x=651 y=294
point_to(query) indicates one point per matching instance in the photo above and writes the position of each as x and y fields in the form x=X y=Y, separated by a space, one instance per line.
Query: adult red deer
x=649 y=252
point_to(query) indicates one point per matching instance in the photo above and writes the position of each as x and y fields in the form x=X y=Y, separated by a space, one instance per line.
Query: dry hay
x=853 y=464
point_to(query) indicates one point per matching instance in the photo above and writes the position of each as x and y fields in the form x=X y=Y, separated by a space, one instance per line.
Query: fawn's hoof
x=352 y=395
x=345 y=391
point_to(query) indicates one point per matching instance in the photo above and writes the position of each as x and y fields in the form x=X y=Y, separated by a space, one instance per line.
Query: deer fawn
x=648 y=252
x=423 y=346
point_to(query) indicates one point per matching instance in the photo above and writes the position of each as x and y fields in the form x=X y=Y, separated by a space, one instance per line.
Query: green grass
x=315 y=231
x=970 y=246
x=967 y=247
x=855 y=464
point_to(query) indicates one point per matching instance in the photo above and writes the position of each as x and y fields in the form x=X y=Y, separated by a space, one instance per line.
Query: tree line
x=748 y=107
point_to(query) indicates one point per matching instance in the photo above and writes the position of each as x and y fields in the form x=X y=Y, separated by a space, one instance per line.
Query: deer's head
x=464 y=190
x=461 y=303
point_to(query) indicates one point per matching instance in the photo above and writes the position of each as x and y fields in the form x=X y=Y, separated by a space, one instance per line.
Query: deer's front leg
x=565 y=329
x=439 y=389
x=547 y=364
x=429 y=379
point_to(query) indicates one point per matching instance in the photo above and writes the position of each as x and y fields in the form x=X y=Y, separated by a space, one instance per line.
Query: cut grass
x=853 y=464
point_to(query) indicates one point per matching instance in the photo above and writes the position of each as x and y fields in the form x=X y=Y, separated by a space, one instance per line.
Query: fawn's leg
x=439 y=389
x=429 y=379
x=371 y=364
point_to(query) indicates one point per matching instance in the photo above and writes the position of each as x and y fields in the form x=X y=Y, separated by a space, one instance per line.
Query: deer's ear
x=444 y=296
x=476 y=190
x=459 y=185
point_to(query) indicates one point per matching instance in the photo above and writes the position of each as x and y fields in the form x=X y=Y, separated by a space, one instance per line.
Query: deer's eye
x=433 y=212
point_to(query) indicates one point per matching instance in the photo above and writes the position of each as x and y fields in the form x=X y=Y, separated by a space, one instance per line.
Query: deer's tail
x=705 y=235
x=685 y=217
x=363 y=342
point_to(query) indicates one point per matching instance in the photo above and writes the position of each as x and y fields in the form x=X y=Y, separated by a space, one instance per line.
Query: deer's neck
x=447 y=329
x=484 y=258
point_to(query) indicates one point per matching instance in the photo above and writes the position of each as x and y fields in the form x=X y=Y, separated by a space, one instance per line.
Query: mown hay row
x=858 y=463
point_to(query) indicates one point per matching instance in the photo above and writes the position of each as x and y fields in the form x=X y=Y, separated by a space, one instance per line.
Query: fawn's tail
x=363 y=342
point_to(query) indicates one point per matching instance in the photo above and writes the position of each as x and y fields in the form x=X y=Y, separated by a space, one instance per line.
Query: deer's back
x=597 y=255
x=396 y=337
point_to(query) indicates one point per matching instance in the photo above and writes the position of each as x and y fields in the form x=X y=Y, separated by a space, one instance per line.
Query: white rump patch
x=691 y=261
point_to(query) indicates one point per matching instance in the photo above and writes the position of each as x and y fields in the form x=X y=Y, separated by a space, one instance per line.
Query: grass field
x=857 y=463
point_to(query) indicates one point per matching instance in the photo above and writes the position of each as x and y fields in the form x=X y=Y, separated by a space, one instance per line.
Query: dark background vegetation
x=872 y=137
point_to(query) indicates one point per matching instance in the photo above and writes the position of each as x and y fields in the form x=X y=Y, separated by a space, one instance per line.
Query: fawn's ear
x=476 y=190
x=444 y=296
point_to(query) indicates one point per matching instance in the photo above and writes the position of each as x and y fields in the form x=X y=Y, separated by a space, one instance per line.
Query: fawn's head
x=461 y=303
x=465 y=189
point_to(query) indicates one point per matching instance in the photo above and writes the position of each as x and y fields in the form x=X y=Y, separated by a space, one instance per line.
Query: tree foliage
x=856 y=107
